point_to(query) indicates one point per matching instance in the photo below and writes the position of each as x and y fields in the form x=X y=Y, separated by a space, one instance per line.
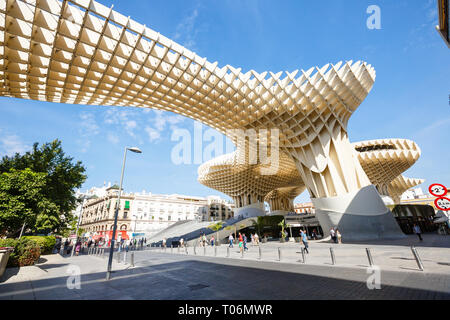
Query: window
x=127 y=204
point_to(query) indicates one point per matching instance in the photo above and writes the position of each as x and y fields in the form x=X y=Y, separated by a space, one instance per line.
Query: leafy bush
x=26 y=252
x=46 y=243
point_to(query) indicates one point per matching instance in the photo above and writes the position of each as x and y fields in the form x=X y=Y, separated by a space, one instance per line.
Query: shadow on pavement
x=193 y=280
x=9 y=272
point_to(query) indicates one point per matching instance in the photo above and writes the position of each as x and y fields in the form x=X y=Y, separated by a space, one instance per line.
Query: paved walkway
x=434 y=253
x=159 y=275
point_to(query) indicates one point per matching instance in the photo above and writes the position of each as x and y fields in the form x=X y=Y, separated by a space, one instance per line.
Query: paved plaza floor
x=210 y=274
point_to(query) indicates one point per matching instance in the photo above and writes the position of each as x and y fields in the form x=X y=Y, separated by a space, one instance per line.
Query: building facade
x=144 y=214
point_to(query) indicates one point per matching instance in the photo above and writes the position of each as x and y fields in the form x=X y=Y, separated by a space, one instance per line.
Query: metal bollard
x=369 y=256
x=228 y=252
x=195 y=251
x=132 y=259
x=185 y=249
x=125 y=257
x=333 y=259
x=303 y=255
x=259 y=250
x=171 y=248
x=118 y=256
x=215 y=251
x=416 y=256
x=279 y=254
x=178 y=249
x=204 y=250
x=242 y=253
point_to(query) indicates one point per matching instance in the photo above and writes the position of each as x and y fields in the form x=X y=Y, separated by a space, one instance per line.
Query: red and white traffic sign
x=442 y=203
x=437 y=190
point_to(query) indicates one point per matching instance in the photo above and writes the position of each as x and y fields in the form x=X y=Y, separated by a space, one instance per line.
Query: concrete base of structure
x=253 y=210
x=360 y=215
x=278 y=213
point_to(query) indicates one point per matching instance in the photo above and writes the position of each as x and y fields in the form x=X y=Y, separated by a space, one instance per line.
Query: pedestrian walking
x=204 y=240
x=241 y=243
x=182 y=242
x=212 y=241
x=69 y=247
x=304 y=240
x=417 y=231
x=230 y=238
x=245 y=242
x=58 y=245
x=256 y=239
x=78 y=247
x=164 y=242
x=338 y=236
x=333 y=235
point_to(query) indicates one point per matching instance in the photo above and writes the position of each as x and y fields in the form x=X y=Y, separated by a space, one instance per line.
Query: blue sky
x=410 y=97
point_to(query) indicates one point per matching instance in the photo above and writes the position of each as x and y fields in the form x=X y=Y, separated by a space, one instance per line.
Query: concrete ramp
x=191 y=231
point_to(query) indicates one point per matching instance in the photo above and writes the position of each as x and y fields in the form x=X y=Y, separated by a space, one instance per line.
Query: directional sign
x=437 y=190
x=442 y=203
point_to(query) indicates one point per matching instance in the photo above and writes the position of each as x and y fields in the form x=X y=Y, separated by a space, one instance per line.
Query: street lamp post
x=111 y=248
x=83 y=197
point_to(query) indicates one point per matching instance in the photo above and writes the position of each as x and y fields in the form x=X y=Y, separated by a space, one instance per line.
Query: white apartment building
x=145 y=214
x=416 y=193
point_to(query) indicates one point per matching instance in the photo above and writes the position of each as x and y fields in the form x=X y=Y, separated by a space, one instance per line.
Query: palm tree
x=259 y=224
x=283 y=225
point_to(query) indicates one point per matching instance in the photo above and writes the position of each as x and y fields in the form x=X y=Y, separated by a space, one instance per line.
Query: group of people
x=203 y=241
x=132 y=244
x=79 y=244
x=242 y=241
x=336 y=236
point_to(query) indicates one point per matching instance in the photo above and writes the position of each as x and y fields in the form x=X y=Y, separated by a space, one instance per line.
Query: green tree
x=258 y=224
x=63 y=176
x=283 y=225
x=22 y=201
x=216 y=227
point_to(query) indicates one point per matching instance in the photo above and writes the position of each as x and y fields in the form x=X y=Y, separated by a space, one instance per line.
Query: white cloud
x=160 y=122
x=114 y=139
x=89 y=125
x=12 y=144
x=87 y=130
x=186 y=32
x=153 y=134
x=118 y=116
x=433 y=129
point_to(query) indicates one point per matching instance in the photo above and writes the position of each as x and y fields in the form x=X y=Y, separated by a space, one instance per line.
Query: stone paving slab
x=434 y=253
x=160 y=276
